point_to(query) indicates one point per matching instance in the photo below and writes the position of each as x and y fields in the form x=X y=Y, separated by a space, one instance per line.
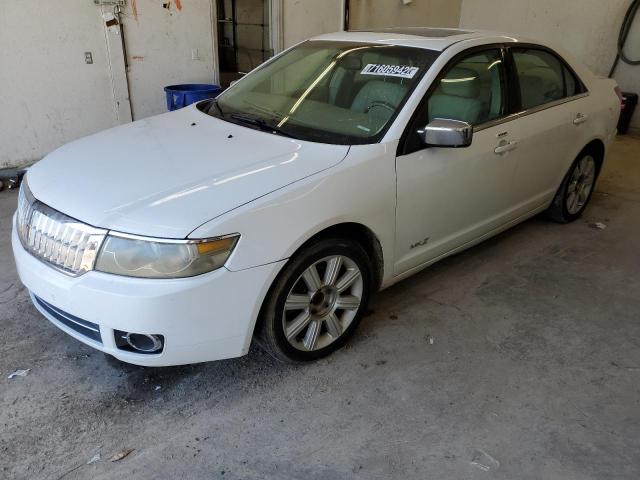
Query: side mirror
x=447 y=134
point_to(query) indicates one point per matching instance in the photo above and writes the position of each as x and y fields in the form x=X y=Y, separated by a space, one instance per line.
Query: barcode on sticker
x=390 y=70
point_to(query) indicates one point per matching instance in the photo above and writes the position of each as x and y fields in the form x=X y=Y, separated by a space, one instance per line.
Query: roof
x=426 y=32
x=421 y=37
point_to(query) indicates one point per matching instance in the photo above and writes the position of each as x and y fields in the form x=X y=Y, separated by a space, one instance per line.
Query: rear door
x=551 y=124
x=448 y=197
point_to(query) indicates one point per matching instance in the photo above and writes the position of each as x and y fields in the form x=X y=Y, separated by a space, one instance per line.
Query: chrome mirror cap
x=446 y=133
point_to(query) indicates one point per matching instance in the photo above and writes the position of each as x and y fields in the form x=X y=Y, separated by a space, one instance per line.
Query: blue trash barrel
x=179 y=96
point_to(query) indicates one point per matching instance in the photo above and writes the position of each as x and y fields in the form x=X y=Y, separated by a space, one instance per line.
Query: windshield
x=330 y=92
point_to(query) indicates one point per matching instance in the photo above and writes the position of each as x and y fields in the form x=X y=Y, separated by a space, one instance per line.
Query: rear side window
x=543 y=78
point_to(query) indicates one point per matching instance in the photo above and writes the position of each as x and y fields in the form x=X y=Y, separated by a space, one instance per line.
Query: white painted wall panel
x=48 y=95
x=365 y=14
x=307 y=18
x=159 y=49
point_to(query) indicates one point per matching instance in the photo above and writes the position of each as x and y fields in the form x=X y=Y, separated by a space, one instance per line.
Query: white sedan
x=336 y=169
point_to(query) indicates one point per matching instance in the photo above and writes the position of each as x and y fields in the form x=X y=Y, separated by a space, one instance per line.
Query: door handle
x=580 y=118
x=507 y=147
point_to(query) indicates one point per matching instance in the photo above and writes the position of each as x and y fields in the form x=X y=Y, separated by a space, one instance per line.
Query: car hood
x=166 y=175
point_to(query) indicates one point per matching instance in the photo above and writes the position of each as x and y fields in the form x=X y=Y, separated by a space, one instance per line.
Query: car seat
x=457 y=97
x=539 y=85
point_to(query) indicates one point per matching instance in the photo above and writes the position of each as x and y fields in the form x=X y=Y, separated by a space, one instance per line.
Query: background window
x=472 y=91
x=543 y=78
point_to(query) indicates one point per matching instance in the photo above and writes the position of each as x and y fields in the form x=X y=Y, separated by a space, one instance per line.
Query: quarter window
x=543 y=78
x=471 y=91
x=572 y=86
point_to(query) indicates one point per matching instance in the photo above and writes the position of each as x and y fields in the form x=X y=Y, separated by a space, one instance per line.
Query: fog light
x=139 y=342
x=144 y=343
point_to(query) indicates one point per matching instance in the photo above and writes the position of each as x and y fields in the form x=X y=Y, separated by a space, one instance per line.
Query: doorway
x=244 y=37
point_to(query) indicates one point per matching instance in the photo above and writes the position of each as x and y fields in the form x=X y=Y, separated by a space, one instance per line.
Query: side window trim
x=564 y=81
x=508 y=94
x=531 y=111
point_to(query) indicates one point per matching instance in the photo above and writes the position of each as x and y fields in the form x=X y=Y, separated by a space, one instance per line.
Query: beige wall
x=586 y=28
x=393 y=13
x=48 y=94
x=306 y=18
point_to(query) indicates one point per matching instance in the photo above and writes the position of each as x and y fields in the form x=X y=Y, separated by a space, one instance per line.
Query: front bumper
x=203 y=318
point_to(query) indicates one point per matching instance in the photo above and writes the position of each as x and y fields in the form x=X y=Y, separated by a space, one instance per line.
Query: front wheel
x=317 y=301
x=576 y=190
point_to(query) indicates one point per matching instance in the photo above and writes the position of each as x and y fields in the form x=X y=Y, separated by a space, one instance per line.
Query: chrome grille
x=61 y=241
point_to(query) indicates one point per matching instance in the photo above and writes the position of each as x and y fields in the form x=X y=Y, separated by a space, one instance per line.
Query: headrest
x=378 y=91
x=351 y=62
x=545 y=74
x=461 y=82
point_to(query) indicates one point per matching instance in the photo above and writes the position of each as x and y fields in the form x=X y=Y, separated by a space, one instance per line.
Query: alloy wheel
x=580 y=184
x=322 y=303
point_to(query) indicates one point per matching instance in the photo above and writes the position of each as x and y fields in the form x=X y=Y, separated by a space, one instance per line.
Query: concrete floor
x=535 y=361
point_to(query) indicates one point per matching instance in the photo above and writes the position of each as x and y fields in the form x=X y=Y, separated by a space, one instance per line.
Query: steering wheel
x=382 y=104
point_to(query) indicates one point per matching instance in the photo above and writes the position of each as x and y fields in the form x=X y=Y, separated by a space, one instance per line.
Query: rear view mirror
x=447 y=134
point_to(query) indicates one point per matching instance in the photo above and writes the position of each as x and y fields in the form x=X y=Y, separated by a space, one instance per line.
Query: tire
x=576 y=189
x=307 y=316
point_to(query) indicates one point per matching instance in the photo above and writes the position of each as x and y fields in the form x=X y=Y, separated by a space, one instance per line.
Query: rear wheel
x=317 y=301
x=576 y=190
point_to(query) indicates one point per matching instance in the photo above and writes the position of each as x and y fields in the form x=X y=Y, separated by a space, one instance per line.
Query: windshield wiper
x=261 y=124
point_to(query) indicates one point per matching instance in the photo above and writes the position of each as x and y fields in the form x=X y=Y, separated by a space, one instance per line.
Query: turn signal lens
x=216 y=246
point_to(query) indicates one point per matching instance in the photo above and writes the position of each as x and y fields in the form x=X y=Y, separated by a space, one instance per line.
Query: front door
x=449 y=197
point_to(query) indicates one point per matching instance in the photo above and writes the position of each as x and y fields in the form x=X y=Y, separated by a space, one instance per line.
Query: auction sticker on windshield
x=402 y=71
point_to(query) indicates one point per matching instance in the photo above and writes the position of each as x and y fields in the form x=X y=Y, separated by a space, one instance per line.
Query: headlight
x=150 y=258
x=25 y=201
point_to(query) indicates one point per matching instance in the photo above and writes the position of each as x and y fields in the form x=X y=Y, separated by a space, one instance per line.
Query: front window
x=329 y=92
x=472 y=90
